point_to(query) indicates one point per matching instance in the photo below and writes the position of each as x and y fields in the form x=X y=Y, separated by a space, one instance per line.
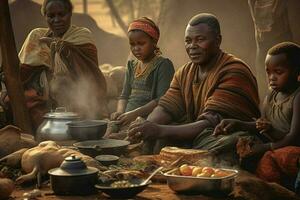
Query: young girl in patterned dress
x=147 y=77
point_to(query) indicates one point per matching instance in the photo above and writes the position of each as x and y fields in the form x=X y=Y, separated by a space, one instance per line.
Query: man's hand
x=145 y=130
x=227 y=126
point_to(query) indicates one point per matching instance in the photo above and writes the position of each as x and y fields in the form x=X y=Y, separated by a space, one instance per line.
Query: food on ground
x=12 y=139
x=47 y=155
x=6 y=188
x=197 y=171
x=33 y=194
x=9 y=172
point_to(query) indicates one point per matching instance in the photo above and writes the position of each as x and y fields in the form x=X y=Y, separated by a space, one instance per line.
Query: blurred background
x=108 y=20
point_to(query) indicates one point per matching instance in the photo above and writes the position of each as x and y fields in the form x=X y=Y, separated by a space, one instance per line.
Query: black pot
x=87 y=129
x=99 y=147
x=73 y=177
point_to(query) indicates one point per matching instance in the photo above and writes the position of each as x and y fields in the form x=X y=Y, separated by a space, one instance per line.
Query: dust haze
x=234 y=15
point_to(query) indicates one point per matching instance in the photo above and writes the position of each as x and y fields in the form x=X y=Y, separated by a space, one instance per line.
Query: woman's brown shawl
x=87 y=86
x=73 y=58
x=229 y=89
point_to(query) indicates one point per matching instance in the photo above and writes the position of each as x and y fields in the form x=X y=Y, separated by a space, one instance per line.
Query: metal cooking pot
x=73 y=177
x=54 y=127
x=87 y=129
x=99 y=147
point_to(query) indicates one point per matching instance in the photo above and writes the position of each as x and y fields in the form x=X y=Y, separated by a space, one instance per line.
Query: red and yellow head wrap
x=146 y=25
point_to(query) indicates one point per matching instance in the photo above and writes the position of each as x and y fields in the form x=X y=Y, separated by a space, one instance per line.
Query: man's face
x=201 y=43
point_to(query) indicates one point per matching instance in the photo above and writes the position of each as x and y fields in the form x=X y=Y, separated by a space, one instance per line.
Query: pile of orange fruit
x=197 y=171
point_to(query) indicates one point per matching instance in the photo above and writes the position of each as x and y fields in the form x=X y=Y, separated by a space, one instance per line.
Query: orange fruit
x=185 y=170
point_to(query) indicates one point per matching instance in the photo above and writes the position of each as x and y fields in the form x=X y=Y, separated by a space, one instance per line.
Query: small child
x=147 y=78
x=280 y=117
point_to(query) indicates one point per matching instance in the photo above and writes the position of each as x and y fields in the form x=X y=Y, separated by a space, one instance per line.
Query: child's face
x=280 y=74
x=141 y=45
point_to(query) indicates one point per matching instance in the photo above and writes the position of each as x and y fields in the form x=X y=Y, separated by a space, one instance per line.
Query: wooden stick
x=10 y=63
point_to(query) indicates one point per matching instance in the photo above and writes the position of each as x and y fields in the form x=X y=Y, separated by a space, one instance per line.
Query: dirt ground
x=154 y=191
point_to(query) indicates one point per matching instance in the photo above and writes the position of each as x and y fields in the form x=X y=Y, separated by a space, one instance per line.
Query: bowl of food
x=201 y=180
x=123 y=188
x=107 y=160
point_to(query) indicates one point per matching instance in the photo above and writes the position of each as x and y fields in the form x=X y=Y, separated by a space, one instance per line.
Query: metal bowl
x=201 y=185
x=123 y=192
x=94 y=148
x=87 y=129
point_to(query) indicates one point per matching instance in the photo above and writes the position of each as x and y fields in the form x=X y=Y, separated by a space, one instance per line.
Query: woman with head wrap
x=59 y=66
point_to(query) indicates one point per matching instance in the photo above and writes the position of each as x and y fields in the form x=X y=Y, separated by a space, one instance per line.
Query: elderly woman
x=59 y=66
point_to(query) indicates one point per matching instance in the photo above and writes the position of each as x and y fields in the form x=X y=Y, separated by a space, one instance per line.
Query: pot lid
x=61 y=113
x=72 y=166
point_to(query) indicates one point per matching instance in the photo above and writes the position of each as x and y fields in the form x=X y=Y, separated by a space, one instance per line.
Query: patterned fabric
x=34 y=53
x=277 y=165
x=281 y=163
x=150 y=85
x=144 y=69
x=66 y=74
x=229 y=89
x=143 y=25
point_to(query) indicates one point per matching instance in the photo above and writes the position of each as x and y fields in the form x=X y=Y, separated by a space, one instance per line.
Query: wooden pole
x=85 y=7
x=10 y=63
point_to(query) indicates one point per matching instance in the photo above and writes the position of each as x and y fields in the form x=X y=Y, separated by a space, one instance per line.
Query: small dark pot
x=73 y=177
x=74 y=185
x=87 y=129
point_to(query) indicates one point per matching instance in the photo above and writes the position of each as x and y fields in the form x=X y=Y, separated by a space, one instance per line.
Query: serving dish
x=123 y=192
x=216 y=186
